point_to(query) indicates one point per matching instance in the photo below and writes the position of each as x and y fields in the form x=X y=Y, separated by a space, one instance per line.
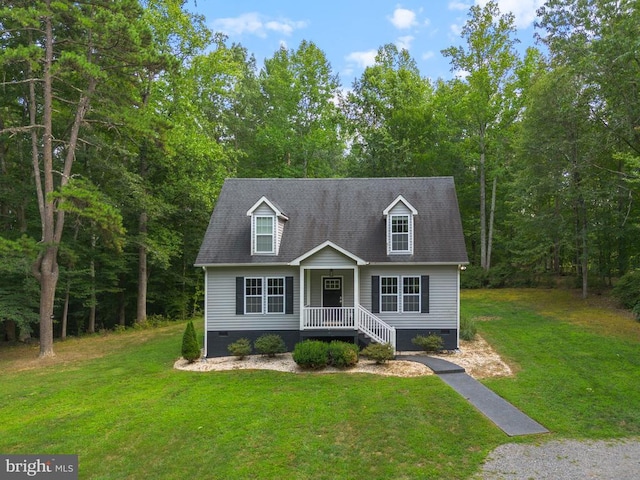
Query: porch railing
x=375 y=328
x=329 y=317
x=349 y=318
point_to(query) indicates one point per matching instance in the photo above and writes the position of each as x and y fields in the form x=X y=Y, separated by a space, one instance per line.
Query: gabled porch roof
x=328 y=244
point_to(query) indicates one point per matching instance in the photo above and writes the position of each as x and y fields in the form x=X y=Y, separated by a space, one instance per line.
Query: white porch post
x=356 y=292
x=302 y=295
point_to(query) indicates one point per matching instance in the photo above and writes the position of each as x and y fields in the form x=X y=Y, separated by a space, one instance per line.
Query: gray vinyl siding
x=221 y=300
x=329 y=258
x=443 y=296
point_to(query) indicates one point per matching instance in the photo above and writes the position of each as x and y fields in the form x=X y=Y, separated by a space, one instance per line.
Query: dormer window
x=400 y=233
x=267 y=225
x=399 y=229
x=264 y=234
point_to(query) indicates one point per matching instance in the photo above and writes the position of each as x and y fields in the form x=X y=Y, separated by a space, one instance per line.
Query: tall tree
x=390 y=118
x=596 y=40
x=487 y=64
x=298 y=133
x=67 y=53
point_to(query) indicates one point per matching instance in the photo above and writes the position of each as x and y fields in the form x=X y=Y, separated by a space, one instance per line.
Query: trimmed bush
x=379 y=352
x=342 y=354
x=190 y=346
x=270 y=344
x=240 y=348
x=429 y=343
x=311 y=354
x=468 y=328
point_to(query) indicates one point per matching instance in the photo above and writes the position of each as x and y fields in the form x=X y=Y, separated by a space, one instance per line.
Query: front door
x=332 y=292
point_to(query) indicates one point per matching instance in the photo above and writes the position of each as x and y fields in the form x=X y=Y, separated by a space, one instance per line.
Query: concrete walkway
x=507 y=417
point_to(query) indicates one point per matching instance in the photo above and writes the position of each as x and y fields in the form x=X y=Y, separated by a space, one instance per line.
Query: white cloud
x=428 y=55
x=404 y=42
x=363 y=59
x=455 y=29
x=255 y=24
x=461 y=6
x=523 y=10
x=403 y=19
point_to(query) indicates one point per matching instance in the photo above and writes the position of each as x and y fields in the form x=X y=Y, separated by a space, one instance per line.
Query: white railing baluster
x=349 y=318
x=374 y=327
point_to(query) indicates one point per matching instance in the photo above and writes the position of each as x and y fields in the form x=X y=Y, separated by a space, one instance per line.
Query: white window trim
x=267 y=296
x=389 y=214
x=246 y=310
x=256 y=235
x=400 y=294
x=409 y=234
x=264 y=302
x=382 y=295
x=419 y=294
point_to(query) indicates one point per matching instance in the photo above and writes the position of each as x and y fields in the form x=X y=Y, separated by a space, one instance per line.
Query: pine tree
x=190 y=346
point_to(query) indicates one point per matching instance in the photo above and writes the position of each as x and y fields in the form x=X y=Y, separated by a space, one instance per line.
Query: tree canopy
x=119 y=121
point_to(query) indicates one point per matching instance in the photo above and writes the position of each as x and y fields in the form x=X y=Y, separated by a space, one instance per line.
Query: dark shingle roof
x=347 y=212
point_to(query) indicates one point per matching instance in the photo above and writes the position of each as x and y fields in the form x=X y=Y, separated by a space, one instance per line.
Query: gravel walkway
x=564 y=460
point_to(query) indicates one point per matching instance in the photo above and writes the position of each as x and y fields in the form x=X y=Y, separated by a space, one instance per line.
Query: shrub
x=311 y=354
x=240 y=348
x=342 y=354
x=473 y=277
x=627 y=291
x=468 y=328
x=190 y=346
x=270 y=344
x=429 y=343
x=379 y=352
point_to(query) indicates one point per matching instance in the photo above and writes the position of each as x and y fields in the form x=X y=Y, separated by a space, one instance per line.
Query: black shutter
x=375 y=294
x=424 y=293
x=239 y=295
x=288 y=295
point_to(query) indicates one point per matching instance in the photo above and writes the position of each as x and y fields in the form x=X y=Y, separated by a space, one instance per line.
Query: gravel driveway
x=564 y=460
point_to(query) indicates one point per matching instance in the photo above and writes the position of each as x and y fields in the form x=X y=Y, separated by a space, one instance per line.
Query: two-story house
x=378 y=258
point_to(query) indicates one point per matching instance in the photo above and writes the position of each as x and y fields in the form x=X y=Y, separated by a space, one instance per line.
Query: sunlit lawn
x=116 y=402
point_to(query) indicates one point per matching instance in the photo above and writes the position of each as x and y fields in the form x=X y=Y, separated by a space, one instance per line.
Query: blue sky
x=349 y=32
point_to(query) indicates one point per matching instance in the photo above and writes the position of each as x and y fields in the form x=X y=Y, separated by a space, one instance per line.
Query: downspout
x=206 y=291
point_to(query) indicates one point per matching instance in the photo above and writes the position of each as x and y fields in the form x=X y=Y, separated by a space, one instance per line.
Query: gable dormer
x=267 y=225
x=399 y=232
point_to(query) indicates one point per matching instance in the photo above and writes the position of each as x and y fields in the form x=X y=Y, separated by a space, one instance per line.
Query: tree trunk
x=48 y=280
x=47 y=265
x=92 y=278
x=483 y=214
x=142 y=270
x=585 y=253
x=65 y=312
x=491 y=219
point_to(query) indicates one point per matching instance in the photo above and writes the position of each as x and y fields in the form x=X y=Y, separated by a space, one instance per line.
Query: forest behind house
x=120 y=120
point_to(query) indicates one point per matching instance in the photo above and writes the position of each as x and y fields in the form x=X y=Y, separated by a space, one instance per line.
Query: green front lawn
x=117 y=403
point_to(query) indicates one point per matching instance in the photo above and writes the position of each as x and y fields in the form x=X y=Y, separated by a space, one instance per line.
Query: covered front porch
x=330 y=296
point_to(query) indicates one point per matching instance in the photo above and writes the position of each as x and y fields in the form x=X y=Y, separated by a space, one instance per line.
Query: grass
x=116 y=402
x=128 y=414
x=577 y=361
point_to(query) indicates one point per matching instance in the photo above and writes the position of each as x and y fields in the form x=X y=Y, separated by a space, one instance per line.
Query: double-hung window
x=410 y=294
x=400 y=233
x=264 y=234
x=275 y=295
x=400 y=294
x=389 y=294
x=253 y=295
x=264 y=295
